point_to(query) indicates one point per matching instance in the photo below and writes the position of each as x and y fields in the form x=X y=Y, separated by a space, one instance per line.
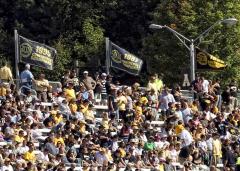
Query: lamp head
x=155 y=26
x=229 y=21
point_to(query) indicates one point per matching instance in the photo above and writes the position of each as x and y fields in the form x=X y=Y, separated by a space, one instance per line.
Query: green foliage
x=164 y=52
x=77 y=28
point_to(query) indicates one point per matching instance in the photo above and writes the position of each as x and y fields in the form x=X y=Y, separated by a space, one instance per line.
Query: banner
x=123 y=60
x=36 y=53
x=206 y=61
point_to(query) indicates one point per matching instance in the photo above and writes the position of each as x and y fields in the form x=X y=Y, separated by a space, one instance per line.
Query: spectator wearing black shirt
x=108 y=84
x=197 y=87
x=221 y=125
x=185 y=153
x=228 y=157
x=112 y=102
x=226 y=96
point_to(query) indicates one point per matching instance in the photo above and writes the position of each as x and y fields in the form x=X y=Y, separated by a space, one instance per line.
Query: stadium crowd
x=59 y=128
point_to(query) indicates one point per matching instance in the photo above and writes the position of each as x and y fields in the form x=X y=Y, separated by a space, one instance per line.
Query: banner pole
x=107 y=56
x=16 y=58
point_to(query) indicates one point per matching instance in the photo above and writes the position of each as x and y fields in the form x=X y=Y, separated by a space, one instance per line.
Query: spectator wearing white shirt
x=205 y=84
x=186 y=137
x=6 y=166
x=186 y=112
x=101 y=157
x=202 y=144
x=43 y=156
x=166 y=98
x=22 y=148
x=142 y=136
x=114 y=145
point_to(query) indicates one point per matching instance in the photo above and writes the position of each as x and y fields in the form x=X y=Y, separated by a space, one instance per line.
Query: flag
x=123 y=60
x=206 y=61
x=36 y=53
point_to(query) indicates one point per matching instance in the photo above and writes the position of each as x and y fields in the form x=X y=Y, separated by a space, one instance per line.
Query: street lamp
x=191 y=47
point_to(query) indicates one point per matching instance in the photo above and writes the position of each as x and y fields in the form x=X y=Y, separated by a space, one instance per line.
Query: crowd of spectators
x=189 y=132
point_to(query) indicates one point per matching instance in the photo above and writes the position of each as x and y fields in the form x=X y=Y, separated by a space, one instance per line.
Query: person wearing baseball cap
x=85 y=72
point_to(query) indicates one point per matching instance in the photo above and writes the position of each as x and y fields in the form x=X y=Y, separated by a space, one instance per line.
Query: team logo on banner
x=116 y=56
x=25 y=50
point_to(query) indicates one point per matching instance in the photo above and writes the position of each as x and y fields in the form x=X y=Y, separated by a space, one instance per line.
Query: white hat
x=85 y=72
x=104 y=74
x=27 y=66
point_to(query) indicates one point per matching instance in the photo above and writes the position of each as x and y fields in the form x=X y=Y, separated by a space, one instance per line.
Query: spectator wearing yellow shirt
x=73 y=106
x=121 y=102
x=158 y=83
x=152 y=84
x=30 y=155
x=70 y=92
x=143 y=99
x=195 y=106
x=58 y=118
x=138 y=109
x=82 y=127
x=3 y=90
x=58 y=138
x=179 y=127
x=122 y=149
x=5 y=73
x=20 y=137
x=84 y=106
x=88 y=114
x=105 y=120
x=54 y=111
x=217 y=149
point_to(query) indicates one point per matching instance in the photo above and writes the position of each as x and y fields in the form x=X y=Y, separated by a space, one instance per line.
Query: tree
x=167 y=55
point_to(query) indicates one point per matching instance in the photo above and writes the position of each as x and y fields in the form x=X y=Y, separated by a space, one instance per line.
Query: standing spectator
x=89 y=83
x=205 y=84
x=65 y=78
x=5 y=73
x=159 y=83
x=226 y=96
x=109 y=84
x=165 y=99
x=121 y=102
x=104 y=89
x=176 y=91
x=186 y=137
x=42 y=87
x=74 y=79
x=152 y=84
x=217 y=91
x=26 y=78
x=197 y=87
x=112 y=103
x=100 y=89
x=217 y=149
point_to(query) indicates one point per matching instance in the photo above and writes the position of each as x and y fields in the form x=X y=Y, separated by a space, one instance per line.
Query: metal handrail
x=20 y=90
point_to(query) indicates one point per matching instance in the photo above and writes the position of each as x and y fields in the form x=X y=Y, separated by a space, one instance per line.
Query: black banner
x=36 y=53
x=206 y=61
x=125 y=61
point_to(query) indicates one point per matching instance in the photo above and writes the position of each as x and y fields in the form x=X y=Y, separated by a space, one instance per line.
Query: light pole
x=191 y=47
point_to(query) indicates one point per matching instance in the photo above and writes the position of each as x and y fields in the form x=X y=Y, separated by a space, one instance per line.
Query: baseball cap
x=85 y=72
